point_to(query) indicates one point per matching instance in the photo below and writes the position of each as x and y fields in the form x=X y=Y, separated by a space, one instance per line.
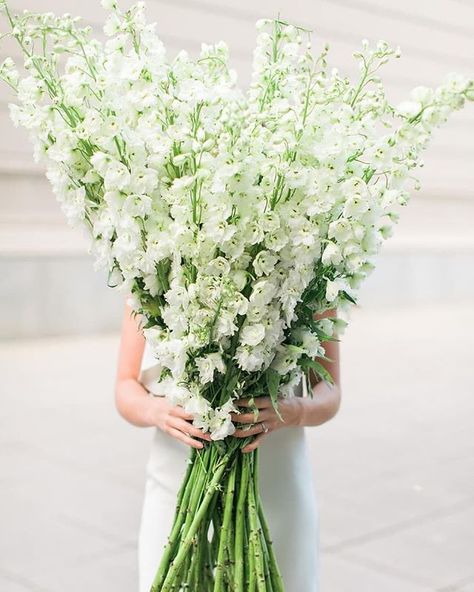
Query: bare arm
x=132 y=399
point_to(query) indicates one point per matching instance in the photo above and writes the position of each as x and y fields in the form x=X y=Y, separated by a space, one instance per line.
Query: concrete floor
x=394 y=470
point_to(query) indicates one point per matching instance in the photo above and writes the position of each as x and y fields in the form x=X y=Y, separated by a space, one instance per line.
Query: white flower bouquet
x=232 y=219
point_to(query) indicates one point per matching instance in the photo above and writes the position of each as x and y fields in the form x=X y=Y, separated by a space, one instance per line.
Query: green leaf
x=325 y=337
x=318 y=368
x=368 y=174
x=295 y=348
x=348 y=297
x=309 y=388
x=273 y=384
x=230 y=387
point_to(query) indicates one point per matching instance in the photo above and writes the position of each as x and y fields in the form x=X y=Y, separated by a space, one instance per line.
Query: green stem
x=255 y=537
x=251 y=575
x=239 y=557
x=200 y=514
x=266 y=543
x=228 y=503
x=277 y=582
x=180 y=517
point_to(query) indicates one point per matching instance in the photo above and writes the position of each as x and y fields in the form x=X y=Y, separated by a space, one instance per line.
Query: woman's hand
x=176 y=422
x=265 y=419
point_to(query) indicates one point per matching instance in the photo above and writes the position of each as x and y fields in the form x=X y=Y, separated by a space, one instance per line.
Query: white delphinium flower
x=264 y=263
x=263 y=291
x=332 y=254
x=218 y=267
x=327 y=326
x=276 y=239
x=252 y=334
x=9 y=73
x=220 y=424
x=285 y=360
x=225 y=325
x=333 y=287
x=251 y=358
x=308 y=342
x=172 y=353
x=287 y=389
x=208 y=364
x=117 y=176
x=176 y=393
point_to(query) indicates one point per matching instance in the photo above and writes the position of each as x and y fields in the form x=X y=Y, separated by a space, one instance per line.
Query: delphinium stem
x=193 y=478
x=250 y=561
x=206 y=575
x=228 y=502
x=216 y=526
x=199 y=515
x=193 y=577
x=277 y=582
x=266 y=565
x=180 y=516
x=266 y=556
x=198 y=489
x=187 y=566
x=239 y=571
x=192 y=572
x=208 y=558
x=255 y=536
x=230 y=544
x=208 y=569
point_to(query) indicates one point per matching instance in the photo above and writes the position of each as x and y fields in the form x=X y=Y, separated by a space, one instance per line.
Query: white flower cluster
x=230 y=217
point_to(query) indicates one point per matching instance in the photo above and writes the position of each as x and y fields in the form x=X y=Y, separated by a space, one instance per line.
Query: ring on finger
x=264 y=427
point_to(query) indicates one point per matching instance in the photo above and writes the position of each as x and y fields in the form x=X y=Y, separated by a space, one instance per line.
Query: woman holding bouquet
x=232 y=217
x=286 y=479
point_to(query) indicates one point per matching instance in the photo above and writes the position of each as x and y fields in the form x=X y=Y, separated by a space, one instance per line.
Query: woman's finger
x=255 y=443
x=178 y=411
x=263 y=414
x=245 y=432
x=259 y=402
x=188 y=428
x=184 y=438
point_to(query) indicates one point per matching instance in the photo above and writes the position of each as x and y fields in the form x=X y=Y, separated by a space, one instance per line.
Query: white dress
x=286 y=486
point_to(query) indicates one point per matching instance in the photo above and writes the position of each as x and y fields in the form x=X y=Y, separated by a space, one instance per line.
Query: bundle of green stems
x=220 y=540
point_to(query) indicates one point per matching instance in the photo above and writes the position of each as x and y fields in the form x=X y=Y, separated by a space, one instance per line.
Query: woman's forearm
x=322 y=407
x=134 y=403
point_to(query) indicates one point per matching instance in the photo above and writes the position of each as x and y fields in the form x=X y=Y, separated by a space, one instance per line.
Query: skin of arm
x=134 y=402
x=295 y=411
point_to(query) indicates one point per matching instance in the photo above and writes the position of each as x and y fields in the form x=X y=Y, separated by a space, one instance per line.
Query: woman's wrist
x=315 y=409
x=318 y=409
x=292 y=411
x=149 y=408
x=135 y=403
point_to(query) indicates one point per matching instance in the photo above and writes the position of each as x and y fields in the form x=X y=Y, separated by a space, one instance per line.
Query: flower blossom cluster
x=231 y=218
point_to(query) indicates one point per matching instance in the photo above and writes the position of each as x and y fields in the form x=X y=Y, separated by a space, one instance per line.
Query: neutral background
x=393 y=471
